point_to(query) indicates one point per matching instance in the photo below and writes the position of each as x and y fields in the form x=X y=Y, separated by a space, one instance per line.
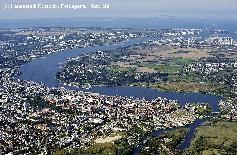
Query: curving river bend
x=44 y=70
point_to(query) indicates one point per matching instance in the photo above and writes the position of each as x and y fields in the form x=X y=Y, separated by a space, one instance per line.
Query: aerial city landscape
x=113 y=90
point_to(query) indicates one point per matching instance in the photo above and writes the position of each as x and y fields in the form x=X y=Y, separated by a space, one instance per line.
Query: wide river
x=44 y=70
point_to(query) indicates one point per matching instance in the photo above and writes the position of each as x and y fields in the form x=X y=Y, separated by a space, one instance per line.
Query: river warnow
x=38 y=119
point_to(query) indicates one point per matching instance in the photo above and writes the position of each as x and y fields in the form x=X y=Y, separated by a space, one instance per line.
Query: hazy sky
x=218 y=9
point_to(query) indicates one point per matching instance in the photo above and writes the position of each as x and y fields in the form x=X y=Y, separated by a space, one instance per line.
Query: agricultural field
x=215 y=137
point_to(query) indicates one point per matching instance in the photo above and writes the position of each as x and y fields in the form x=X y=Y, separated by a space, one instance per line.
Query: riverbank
x=184 y=87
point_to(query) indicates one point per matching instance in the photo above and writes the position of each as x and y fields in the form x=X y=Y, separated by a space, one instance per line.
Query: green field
x=215 y=138
x=121 y=69
x=171 y=69
x=182 y=61
x=96 y=149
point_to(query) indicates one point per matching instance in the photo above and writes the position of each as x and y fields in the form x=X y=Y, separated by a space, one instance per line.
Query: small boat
x=86 y=86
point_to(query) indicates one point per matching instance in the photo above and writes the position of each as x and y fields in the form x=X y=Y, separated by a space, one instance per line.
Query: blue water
x=149 y=94
x=184 y=144
x=44 y=70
